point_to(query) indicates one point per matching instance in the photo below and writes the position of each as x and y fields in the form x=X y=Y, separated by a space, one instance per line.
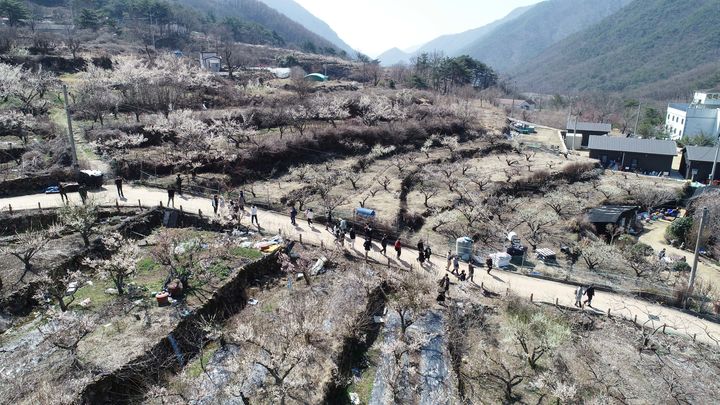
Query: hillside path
x=499 y=281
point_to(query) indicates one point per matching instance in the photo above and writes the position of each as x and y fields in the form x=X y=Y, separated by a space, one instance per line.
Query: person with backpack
x=449 y=260
x=352 y=237
x=445 y=285
x=383 y=244
x=310 y=215
x=398 y=248
x=590 y=293
x=456 y=265
x=293 y=215
x=428 y=253
x=489 y=264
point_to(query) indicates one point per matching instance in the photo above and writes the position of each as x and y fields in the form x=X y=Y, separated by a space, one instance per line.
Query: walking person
x=449 y=260
x=445 y=285
x=456 y=265
x=590 y=293
x=471 y=271
x=579 y=292
x=421 y=247
x=171 y=196
x=293 y=215
x=352 y=237
x=178 y=184
x=369 y=232
x=328 y=220
x=215 y=204
x=241 y=201
x=118 y=185
x=383 y=244
x=428 y=253
x=253 y=216
x=421 y=257
x=398 y=248
x=310 y=216
x=63 y=194
x=489 y=264
x=366 y=245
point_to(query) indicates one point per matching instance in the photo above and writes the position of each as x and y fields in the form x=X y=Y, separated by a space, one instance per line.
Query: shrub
x=679 y=229
x=579 y=171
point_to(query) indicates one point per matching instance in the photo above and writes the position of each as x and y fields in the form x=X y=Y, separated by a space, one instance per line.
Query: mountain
x=261 y=17
x=515 y=42
x=450 y=44
x=648 y=45
x=299 y=14
x=394 y=56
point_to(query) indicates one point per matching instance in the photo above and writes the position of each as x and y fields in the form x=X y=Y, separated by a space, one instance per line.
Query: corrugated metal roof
x=700 y=153
x=608 y=214
x=679 y=106
x=637 y=145
x=588 y=126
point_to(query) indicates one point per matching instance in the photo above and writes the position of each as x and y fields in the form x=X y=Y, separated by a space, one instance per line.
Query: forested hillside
x=658 y=47
x=515 y=42
x=168 y=24
x=299 y=14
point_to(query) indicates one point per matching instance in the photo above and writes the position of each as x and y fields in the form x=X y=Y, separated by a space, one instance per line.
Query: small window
x=682 y=120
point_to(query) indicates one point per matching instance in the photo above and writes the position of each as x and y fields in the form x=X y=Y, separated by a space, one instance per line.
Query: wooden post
x=694 y=336
x=279 y=231
x=199 y=211
x=608 y=311
x=300 y=238
x=39 y=207
x=117 y=205
x=322 y=244
x=556 y=301
x=161 y=204
x=139 y=205
x=482 y=285
x=388 y=262
x=635 y=319
x=10 y=207
x=181 y=209
x=531 y=297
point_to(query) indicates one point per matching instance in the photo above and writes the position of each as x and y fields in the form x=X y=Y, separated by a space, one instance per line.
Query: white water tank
x=464 y=247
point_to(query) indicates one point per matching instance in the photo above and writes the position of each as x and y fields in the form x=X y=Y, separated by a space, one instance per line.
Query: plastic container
x=162 y=298
x=365 y=213
x=464 y=247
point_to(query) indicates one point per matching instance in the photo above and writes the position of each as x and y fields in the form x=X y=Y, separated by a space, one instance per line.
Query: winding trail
x=272 y=223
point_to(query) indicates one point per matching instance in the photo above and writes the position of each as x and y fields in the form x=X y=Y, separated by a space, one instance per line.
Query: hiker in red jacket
x=398 y=247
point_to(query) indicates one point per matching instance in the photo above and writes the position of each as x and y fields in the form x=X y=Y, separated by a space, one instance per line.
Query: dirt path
x=499 y=281
x=655 y=237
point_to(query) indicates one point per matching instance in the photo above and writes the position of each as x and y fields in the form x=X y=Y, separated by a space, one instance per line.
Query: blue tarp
x=365 y=212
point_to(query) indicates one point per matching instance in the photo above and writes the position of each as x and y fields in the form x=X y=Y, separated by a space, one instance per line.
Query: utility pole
x=637 y=119
x=717 y=152
x=70 y=130
x=574 y=132
x=693 y=272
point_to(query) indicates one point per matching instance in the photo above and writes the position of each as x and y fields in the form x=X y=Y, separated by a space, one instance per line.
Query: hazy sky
x=373 y=26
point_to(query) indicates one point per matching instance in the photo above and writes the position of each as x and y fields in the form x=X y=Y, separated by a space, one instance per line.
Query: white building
x=701 y=117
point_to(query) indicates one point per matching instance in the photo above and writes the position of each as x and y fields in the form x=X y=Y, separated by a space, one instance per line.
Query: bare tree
x=538 y=221
x=57 y=288
x=26 y=245
x=384 y=181
x=120 y=266
x=428 y=190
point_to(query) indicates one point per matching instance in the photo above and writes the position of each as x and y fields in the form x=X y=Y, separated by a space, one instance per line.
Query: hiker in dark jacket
x=171 y=196
x=293 y=215
x=118 y=185
x=590 y=293
x=178 y=184
x=428 y=253
x=63 y=194
x=215 y=203
x=383 y=245
x=489 y=264
x=471 y=271
x=352 y=237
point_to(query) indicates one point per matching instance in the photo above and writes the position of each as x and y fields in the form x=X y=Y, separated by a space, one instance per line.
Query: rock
x=111 y=291
x=85 y=303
